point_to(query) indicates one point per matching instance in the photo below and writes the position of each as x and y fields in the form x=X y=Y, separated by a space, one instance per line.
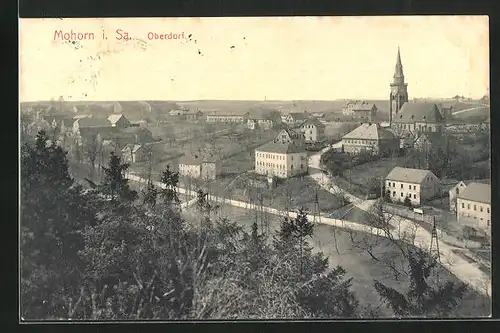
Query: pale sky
x=278 y=58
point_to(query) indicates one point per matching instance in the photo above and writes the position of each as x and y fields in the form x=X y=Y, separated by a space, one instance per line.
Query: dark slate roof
x=477 y=192
x=281 y=148
x=407 y=175
x=419 y=112
x=369 y=132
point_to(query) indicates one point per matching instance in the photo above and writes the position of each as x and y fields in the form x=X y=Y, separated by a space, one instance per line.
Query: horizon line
x=245 y=100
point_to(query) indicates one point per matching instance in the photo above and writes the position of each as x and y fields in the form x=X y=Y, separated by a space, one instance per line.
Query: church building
x=399 y=90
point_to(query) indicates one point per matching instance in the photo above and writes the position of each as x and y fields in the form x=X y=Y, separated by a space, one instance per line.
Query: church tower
x=399 y=91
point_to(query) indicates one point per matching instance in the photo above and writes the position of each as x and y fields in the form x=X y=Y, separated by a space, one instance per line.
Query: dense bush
x=103 y=254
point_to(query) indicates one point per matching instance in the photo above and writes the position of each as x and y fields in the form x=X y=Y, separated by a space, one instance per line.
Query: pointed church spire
x=398 y=72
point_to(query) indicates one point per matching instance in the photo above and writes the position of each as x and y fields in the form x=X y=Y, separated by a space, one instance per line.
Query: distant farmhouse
x=313 y=130
x=223 y=117
x=294 y=119
x=360 y=110
x=260 y=119
x=284 y=157
x=370 y=138
x=198 y=168
x=119 y=121
x=415 y=184
x=134 y=153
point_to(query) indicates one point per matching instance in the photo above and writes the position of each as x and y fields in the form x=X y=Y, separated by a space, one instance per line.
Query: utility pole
x=434 y=248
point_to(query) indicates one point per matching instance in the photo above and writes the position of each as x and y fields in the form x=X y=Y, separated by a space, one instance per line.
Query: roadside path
x=467 y=272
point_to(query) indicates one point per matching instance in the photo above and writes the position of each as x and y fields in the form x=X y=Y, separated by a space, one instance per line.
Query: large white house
x=283 y=157
x=416 y=184
x=474 y=205
x=196 y=167
x=370 y=138
x=313 y=130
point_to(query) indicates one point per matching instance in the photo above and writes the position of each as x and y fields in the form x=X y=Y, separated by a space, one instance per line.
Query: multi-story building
x=364 y=111
x=347 y=107
x=284 y=157
x=260 y=119
x=313 y=130
x=119 y=121
x=235 y=117
x=196 y=167
x=474 y=205
x=370 y=138
x=294 y=119
x=416 y=184
x=419 y=118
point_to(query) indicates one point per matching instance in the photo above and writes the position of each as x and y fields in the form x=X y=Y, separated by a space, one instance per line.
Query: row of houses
x=360 y=110
x=417 y=126
x=470 y=200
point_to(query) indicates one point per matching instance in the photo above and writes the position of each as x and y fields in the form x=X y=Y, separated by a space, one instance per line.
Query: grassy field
x=477 y=115
x=355 y=261
x=301 y=192
x=361 y=176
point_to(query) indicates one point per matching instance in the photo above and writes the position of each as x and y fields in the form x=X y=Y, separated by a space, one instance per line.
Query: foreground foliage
x=103 y=254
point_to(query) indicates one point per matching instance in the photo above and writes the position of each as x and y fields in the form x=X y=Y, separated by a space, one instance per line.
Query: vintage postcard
x=254 y=168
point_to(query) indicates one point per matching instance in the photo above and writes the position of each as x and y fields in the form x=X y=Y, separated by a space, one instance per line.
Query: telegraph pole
x=434 y=248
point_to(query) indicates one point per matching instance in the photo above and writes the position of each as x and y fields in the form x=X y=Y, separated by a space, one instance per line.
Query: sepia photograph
x=254 y=168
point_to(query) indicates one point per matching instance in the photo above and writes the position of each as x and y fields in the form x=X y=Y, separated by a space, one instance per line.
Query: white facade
x=417 y=193
x=476 y=212
x=279 y=164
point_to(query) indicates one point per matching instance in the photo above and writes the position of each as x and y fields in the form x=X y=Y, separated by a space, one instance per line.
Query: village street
x=466 y=271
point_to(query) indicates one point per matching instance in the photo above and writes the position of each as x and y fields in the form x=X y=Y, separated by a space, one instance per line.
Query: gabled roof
x=407 y=175
x=281 y=148
x=114 y=118
x=259 y=114
x=93 y=122
x=418 y=112
x=478 y=192
x=298 y=116
x=314 y=122
x=363 y=106
x=370 y=132
x=291 y=134
x=133 y=148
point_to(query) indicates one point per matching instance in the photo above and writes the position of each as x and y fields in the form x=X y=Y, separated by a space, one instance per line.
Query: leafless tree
x=396 y=240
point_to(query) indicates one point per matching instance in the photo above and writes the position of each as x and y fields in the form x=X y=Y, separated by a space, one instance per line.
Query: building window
x=463 y=205
x=393 y=184
x=488 y=210
x=414 y=196
x=475 y=208
x=488 y=223
x=481 y=209
x=401 y=194
x=401 y=185
x=414 y=187
x=468 y=206
x=394 y=193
